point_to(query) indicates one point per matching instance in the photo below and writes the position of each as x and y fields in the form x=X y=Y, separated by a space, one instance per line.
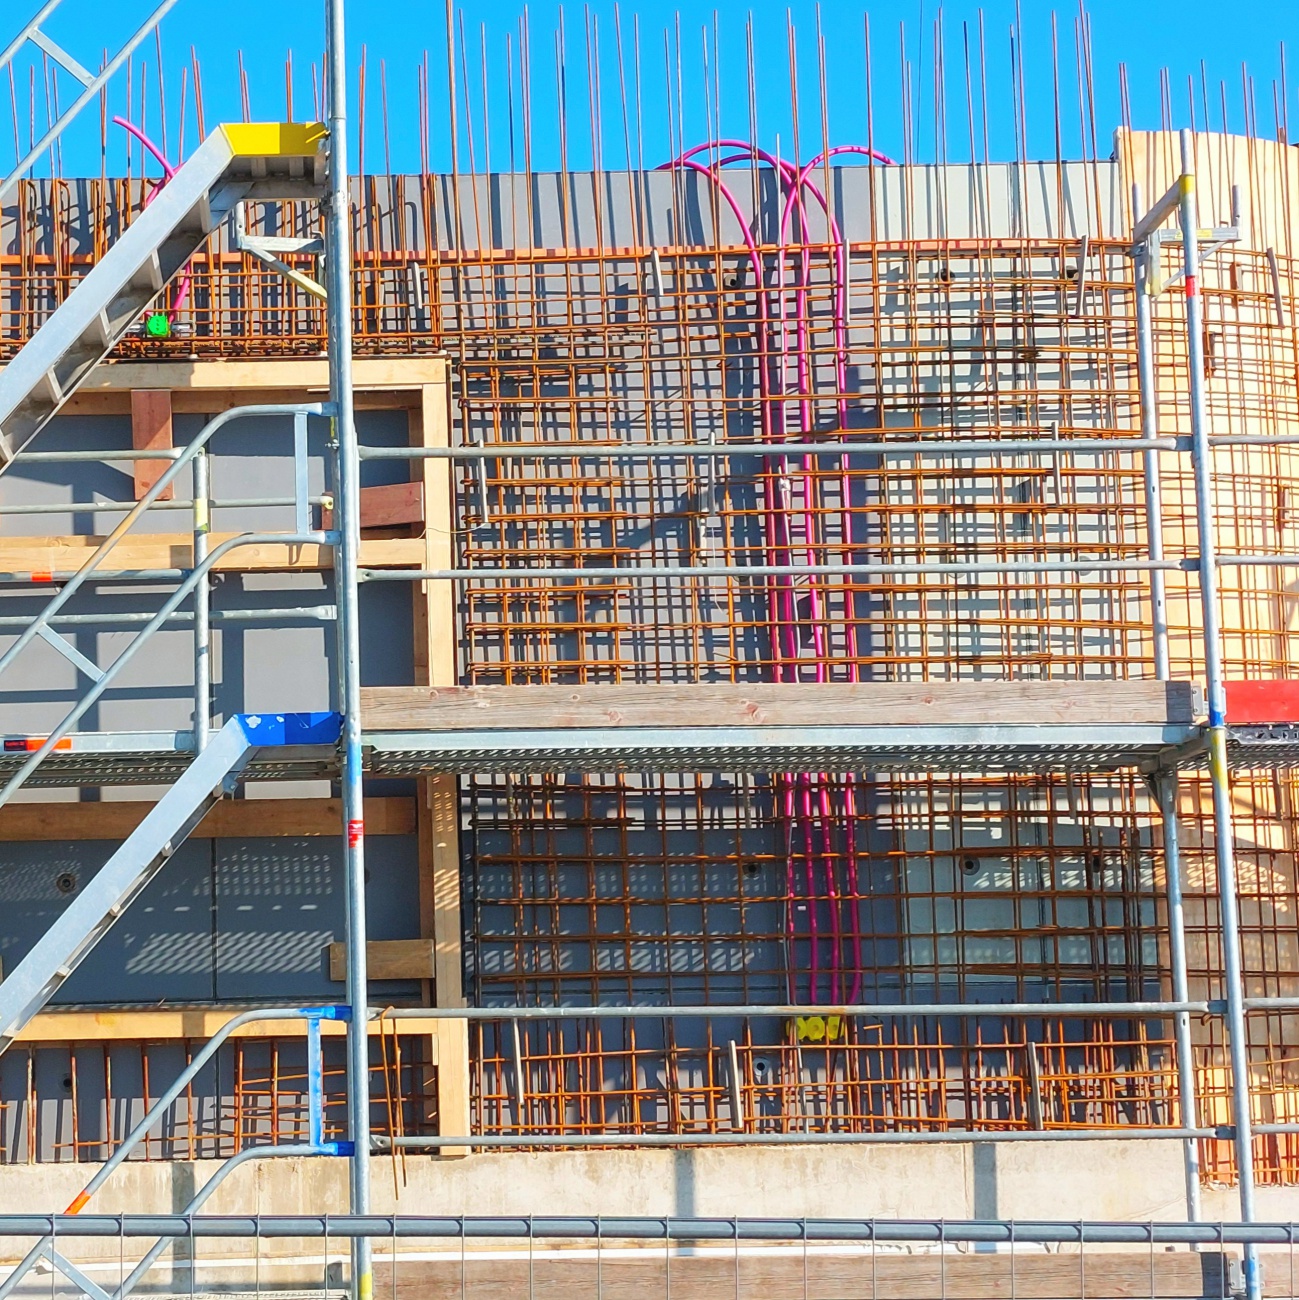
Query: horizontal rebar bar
x=652 y=573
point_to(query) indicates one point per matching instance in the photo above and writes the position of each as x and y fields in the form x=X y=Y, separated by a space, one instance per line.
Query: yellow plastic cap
x=275 y=139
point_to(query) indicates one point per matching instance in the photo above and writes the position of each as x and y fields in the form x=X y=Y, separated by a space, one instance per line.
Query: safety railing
x=316 y=1145
x=598 y=1255
x=91 y=83
x=194 y=581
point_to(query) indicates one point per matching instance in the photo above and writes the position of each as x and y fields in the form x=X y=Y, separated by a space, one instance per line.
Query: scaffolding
x=866 y=475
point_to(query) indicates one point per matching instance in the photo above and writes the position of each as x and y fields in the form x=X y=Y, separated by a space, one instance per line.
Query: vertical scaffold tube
x=1166 y=788
x=1150 y=461
x=1224 y=839
x=202 y=604
x=346 y=556
x=1165 y=782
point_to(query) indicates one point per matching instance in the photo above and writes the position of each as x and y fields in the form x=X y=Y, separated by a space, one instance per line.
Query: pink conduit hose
x=807 y=800
x=168 y=171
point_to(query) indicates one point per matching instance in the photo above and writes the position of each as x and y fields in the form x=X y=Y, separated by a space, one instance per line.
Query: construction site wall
x=614 y=309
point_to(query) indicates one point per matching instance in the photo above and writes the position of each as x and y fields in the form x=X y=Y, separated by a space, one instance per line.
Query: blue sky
x=396 y=33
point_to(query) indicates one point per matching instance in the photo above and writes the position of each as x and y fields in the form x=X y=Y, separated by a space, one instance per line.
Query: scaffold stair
x=237 y=162
x=213 y=773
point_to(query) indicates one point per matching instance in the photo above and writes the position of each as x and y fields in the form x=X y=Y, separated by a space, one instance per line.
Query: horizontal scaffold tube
x=658 y=572
x=811 y=1137
x=683 y=1228
x=708 y=1012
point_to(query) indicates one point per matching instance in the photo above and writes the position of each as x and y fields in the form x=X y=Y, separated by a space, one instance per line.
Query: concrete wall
x=1138 y=1180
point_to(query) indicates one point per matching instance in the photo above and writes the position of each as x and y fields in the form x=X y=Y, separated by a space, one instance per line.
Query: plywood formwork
x=1252 y=388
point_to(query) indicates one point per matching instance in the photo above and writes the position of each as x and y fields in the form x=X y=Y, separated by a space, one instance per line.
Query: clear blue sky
x=397 y=32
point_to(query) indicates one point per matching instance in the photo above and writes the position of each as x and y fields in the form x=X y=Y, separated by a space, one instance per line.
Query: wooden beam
x=443 y=803
x=27 y=555
x=388 y=505
x=434 y=620
x=151 y=431
x=210 y=385
x=435 y=612
x=229 y=819
x=768 y=704
x=208 y=402
x=307 y=374
x=451 y=1052
x=158 y=1025
x=387 y=959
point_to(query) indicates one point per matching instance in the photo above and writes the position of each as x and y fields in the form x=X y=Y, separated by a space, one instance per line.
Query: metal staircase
x=263 y=161
x=203 y=768
x=260 y=162
x=108 y=894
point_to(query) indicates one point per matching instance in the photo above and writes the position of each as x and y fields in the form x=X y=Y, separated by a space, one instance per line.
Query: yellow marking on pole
x=1218 y=754
x=1186 y=185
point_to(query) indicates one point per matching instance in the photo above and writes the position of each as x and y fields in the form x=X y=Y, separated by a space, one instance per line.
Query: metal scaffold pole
x=1165 y=783
x=1224 y=839
x=347 y=488
x=1166 y=791
x=1143 y=256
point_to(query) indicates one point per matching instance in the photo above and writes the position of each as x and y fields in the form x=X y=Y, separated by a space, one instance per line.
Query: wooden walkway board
x=1028 y=1275
x=767 y=704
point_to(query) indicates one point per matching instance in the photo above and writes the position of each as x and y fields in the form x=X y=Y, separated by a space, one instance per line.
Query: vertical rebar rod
x=1224 y=845
x=202 y=605
x=346 y=552
x=1166 y=790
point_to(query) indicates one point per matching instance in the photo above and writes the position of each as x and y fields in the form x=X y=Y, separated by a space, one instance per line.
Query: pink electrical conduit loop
x=755 y=259
x=783 y=623
x=794 y=201
x=799 y=789
x=841 y=383
x=793 y=182
x=168 y=171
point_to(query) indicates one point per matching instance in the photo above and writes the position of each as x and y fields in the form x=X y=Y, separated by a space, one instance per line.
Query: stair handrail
x=315 y=1106
x=202 y=566
x=129 y=521
x=102 y=683
x=93 y=83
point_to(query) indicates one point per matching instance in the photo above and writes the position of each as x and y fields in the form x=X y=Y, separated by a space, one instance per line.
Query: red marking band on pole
x=78 y=1203
x=355 y=833
x=42 y=577
x=1191 y=287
